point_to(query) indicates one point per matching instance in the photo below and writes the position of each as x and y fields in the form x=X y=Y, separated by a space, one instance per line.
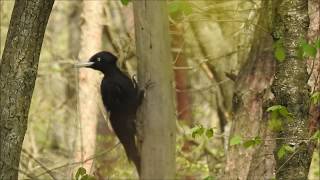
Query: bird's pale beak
x=83 y=64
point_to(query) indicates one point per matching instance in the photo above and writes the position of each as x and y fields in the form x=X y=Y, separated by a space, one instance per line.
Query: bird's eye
x=98 y=59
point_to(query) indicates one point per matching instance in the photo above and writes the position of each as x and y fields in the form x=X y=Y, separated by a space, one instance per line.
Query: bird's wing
x=113 y=95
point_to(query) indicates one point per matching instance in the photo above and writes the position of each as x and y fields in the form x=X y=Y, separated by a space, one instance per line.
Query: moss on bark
x=291 y=90
x=18 y=72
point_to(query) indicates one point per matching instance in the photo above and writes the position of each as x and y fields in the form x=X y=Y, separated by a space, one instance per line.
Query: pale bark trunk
x=70 y=91
x=18 y=73
x=89 y=80
x=157 y=113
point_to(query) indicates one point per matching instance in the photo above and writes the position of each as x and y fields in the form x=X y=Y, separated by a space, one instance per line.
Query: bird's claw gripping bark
x=149 y=84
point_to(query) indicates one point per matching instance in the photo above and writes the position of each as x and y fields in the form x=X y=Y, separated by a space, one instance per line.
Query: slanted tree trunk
x=291 y=90
x=91 y=35
x=157 y=113
x=18 y=73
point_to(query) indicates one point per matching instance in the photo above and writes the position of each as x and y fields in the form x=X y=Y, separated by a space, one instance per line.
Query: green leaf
x=315 y=98
x=209 y=133
x=173 y=6
x=316 y=135
x=87 y=177
x=280 y=54
x=308 y=49
x=125 y=2
x=317 y=43
x=248 y=143
x=284 y=150
x=197 y=131
x=179 y=6
x=209 y=178
x=275 y=108
x=252 y=142
x=300 y=53
x=288 y=148
x=281 y=152
x=281 y=110
x=258 y=140
x=285 y=113
x=275 y=124
x=235 y=140
x=279 y=51
x=80 y=172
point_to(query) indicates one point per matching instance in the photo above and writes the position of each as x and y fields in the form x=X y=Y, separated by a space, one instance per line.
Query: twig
x=286 y=161
x=79 y=162
x=40 y=164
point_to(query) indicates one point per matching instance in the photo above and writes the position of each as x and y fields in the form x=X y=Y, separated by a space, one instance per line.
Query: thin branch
x=80 y=162
x=292 y=155
x=40 y=164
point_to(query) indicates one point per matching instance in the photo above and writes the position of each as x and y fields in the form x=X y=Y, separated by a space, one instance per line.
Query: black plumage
x=121 y=97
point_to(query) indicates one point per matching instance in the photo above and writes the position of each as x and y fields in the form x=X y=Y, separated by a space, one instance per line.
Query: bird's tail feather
x=123 y=126
x=132 y=153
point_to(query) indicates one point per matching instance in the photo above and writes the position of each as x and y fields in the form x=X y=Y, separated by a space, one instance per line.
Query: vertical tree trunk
x=70 y=91
x=291 y=90
x=18 y=72
x=181 y=75
x=314 y=64
x=157 y=113
x=91 y=35
x=248 y=112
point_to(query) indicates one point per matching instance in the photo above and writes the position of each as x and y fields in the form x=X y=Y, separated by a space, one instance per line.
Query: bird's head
x=101 y=61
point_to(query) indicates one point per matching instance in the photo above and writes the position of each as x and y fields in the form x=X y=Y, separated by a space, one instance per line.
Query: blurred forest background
x=214 y=45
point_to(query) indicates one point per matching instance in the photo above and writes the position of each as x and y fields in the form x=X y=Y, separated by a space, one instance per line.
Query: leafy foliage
x=284 y=150
x=279 y=51
x=209 y=133
x=209 y=178
x=235 y=140
x=279 y=113
x=281 y=110
x=315 y=98
x=306 y=49
x=81 y=174
x=252 y=142
x=316 y=135
x=317 y=43
x=125 y=2
x=275 y=124
x=179 y=6
x=199 y=130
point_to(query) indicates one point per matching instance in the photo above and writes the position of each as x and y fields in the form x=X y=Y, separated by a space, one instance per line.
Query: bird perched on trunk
x=121 y=97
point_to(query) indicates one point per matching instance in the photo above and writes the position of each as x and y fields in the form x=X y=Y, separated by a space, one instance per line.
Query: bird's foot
x=149 y=84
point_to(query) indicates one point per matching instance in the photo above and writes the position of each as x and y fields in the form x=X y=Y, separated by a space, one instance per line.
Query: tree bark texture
x=18 y=73
x=290 y=88
x=249 y=121
x=314 y=64
x=181 y=75
x=157 y=114
x=89 y=80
